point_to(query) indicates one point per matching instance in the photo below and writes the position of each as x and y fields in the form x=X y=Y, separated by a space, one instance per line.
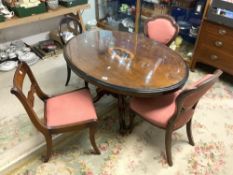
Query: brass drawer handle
x=222 y=31
x=213 y=57
x=218 y=43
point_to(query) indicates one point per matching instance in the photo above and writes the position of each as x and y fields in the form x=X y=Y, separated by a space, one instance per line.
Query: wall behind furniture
x=22 y=31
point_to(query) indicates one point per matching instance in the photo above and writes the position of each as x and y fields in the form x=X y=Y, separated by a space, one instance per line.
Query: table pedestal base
x=122 y=107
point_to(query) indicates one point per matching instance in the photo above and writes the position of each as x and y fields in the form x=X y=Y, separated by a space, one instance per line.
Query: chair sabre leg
x=49 y=145
x=189 y=132
x=168 y=142
x=131 y=121
x=92 y=139
x=68 y=75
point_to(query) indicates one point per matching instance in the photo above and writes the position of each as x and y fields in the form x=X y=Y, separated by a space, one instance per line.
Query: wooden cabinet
x=214 y=46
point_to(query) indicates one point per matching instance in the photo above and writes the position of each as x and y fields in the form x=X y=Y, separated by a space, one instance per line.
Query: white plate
x=8 y=65
x=29 y=56
x=35 y=60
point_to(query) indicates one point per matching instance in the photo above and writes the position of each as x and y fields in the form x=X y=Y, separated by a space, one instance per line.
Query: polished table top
x=126 y=63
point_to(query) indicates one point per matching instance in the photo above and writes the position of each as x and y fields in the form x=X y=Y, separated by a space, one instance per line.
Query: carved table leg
x=68 y=75
x=122 y=113
x=122 y=107
x=99 y=94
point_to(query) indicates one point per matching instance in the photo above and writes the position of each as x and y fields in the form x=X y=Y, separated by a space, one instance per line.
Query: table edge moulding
x=111 y=84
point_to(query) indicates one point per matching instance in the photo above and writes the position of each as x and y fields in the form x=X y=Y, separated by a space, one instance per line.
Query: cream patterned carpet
x=140 y=153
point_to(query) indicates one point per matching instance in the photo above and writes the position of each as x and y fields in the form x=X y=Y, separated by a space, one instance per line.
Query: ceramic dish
x=8 y=65
x=29 y=56
x=35 y=60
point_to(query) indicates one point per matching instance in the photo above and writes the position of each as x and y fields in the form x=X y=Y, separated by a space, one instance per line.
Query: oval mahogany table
x=125 y=64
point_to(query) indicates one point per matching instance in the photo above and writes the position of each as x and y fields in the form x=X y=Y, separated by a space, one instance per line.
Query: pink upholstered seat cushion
x=70 y=108
x=157 y=110
x=161 y=30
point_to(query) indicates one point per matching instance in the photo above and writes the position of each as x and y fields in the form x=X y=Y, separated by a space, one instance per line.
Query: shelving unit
x=15 y=21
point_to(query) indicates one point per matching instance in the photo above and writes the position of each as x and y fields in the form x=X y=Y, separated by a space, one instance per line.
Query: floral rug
x=142 y=152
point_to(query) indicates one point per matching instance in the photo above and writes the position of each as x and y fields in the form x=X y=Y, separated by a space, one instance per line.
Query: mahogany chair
x=172 y=111
x=66 y=112
x=69 y=26
x=161 y=28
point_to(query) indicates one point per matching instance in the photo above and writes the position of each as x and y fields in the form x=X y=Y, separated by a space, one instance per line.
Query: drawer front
x=213 y=57
x=218 y=30
x=217 y=43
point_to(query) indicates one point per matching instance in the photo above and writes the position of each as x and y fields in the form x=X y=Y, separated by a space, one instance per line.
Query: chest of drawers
x=214 y=47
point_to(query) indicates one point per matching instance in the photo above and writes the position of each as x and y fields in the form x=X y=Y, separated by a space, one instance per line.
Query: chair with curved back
x=69 y=26
x=62 y=113
x=174 y=110
x=161 y=28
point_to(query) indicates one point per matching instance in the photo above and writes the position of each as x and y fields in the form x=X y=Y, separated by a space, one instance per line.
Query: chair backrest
x=162 y=28
x=28 y=100
x=187 y=100
x=69 y=24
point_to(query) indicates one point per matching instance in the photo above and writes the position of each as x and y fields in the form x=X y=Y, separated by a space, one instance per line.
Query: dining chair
x=62 y=113
x=161 y=28
x=174 y=110
x=68 y=28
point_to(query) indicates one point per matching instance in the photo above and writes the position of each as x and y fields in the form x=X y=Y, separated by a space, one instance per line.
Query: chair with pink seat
x=172 y=111
x=62 y=113
x=162 y=28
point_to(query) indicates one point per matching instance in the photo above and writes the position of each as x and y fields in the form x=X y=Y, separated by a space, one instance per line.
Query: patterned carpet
x=140 y=153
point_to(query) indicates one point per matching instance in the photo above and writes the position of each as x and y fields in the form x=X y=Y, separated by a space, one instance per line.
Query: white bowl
x=8 y=65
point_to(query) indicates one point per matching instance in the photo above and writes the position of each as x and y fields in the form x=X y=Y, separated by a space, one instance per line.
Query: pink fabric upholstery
x=161 y=30
x=157 y=110
x=74 y=107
